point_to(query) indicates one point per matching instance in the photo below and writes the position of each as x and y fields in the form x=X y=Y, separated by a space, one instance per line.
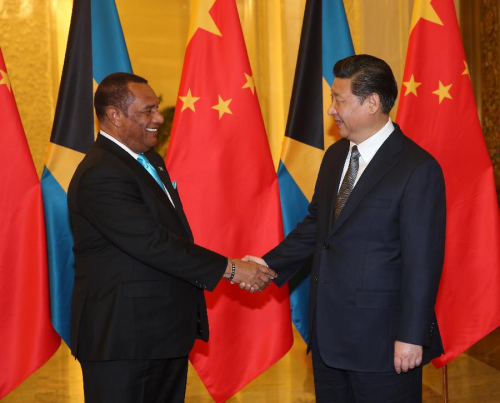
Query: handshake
x=251 y=273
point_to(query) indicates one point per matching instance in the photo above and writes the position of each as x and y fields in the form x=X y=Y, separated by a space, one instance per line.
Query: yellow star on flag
x=443 y=91
x=223 y=107
x=411 y=86
x=201 y=18
x=250 y=83
x=189 y=101
x=5 y=79
x=466 y=71
x=422 y=9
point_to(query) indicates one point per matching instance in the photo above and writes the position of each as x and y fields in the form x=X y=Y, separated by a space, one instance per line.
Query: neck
x=377 y=125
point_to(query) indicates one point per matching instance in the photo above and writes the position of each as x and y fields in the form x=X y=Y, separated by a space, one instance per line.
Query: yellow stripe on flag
x=62 y=163
x=304 y=168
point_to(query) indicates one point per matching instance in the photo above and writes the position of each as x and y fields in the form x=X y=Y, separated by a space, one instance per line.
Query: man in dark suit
x=376 y=230
x=138 y=300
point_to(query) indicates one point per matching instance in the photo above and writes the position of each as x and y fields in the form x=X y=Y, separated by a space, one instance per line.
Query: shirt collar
x=119 y=143
x=370 y=146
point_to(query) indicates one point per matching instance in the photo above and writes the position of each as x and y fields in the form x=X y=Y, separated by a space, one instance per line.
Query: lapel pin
x=160 y=169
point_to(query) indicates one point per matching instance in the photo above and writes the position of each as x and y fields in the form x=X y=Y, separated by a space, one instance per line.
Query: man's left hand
x=406 y=356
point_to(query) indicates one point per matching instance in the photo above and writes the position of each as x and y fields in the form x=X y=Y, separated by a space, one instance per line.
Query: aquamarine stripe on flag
x=59 y=253
x=96 y=48
x=325 y=39
x=336 y=41
x=109 y=51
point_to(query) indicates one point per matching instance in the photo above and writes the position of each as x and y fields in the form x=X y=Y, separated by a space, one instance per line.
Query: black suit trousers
x=334 y=385
x=135 y=381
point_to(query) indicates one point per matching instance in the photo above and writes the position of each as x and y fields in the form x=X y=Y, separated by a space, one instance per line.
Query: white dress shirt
x=367 y=150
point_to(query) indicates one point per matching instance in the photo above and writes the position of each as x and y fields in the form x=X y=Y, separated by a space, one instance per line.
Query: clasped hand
x=250 y=275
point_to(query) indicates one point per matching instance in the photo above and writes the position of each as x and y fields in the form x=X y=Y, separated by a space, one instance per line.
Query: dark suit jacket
x=139 y=278
x=376 y=272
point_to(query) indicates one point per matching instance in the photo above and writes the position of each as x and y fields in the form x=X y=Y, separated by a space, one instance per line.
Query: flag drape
x=437 y=110
x=27 y=338
x=325 y=39
x=96 y=48
x=220 y=159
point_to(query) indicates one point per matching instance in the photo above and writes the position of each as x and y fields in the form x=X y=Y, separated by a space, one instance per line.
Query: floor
x=472 y=377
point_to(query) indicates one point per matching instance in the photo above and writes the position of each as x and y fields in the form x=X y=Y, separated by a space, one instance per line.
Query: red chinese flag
x=220 y=160
x=27 y=338
x=438 y=111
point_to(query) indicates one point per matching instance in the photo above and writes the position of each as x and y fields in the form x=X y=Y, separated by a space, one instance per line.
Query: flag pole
x=445 y=383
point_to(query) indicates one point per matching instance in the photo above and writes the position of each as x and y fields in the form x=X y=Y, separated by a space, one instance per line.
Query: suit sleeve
x=422 y=226
x=297 y=248
x=110 y=200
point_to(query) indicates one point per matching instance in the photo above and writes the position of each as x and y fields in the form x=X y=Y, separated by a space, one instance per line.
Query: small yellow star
x=250 y=83
x=466 y=71
x=443 y=91
x=201 y=18
x=5 y=79
x=223 y=107
x=422 y=9
x=411 y=86
x=189 y=101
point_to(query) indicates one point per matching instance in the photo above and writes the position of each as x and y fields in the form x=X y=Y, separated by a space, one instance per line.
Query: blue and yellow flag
x=96 y=47
x=325 y=39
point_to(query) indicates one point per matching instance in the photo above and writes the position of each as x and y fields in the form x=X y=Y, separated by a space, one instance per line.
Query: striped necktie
x=347 y=183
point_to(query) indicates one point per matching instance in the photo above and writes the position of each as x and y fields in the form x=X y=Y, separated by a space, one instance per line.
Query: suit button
x=326 y=246
x=316 y=279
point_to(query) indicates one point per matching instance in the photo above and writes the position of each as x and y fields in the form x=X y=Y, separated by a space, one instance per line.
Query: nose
x=158 y=117
x=332 y=110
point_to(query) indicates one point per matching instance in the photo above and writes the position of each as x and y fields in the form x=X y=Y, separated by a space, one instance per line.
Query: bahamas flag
x=96 y=47
x=325 y=39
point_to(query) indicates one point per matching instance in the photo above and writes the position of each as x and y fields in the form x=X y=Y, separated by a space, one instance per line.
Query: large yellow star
x=250 y=83
x=422 y=9
x=5 y=79
x=201 y=18
x=189 y=101
x=466 y=71
x=223 y=107
x=411 y=86
x=443 y=91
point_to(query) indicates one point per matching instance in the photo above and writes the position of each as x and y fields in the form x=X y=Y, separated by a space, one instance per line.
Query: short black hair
x=369 y=75
x=113 y=91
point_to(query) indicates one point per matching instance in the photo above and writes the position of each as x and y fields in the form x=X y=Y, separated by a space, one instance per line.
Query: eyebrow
x=151 y=106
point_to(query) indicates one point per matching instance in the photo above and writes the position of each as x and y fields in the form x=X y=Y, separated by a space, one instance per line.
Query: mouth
x=152 y=130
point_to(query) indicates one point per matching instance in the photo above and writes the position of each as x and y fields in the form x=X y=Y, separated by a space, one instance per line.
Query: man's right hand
x=253 y=276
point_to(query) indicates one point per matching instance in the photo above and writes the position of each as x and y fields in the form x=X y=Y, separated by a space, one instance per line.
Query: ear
x=114 y=115
x=373 y=103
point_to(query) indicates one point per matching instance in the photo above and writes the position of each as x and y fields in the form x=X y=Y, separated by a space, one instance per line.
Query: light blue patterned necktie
x=142 y=159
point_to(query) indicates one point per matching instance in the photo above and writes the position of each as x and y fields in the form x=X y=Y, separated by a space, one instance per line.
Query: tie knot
x=355 y=154
x=141 y=158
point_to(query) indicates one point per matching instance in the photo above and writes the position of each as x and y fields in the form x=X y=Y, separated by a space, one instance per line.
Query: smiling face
x=138 y=126
x=353 y=117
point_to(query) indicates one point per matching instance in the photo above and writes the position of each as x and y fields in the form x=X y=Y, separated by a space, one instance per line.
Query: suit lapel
x=159 y=165
x=383 y=161
x=146 y=177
